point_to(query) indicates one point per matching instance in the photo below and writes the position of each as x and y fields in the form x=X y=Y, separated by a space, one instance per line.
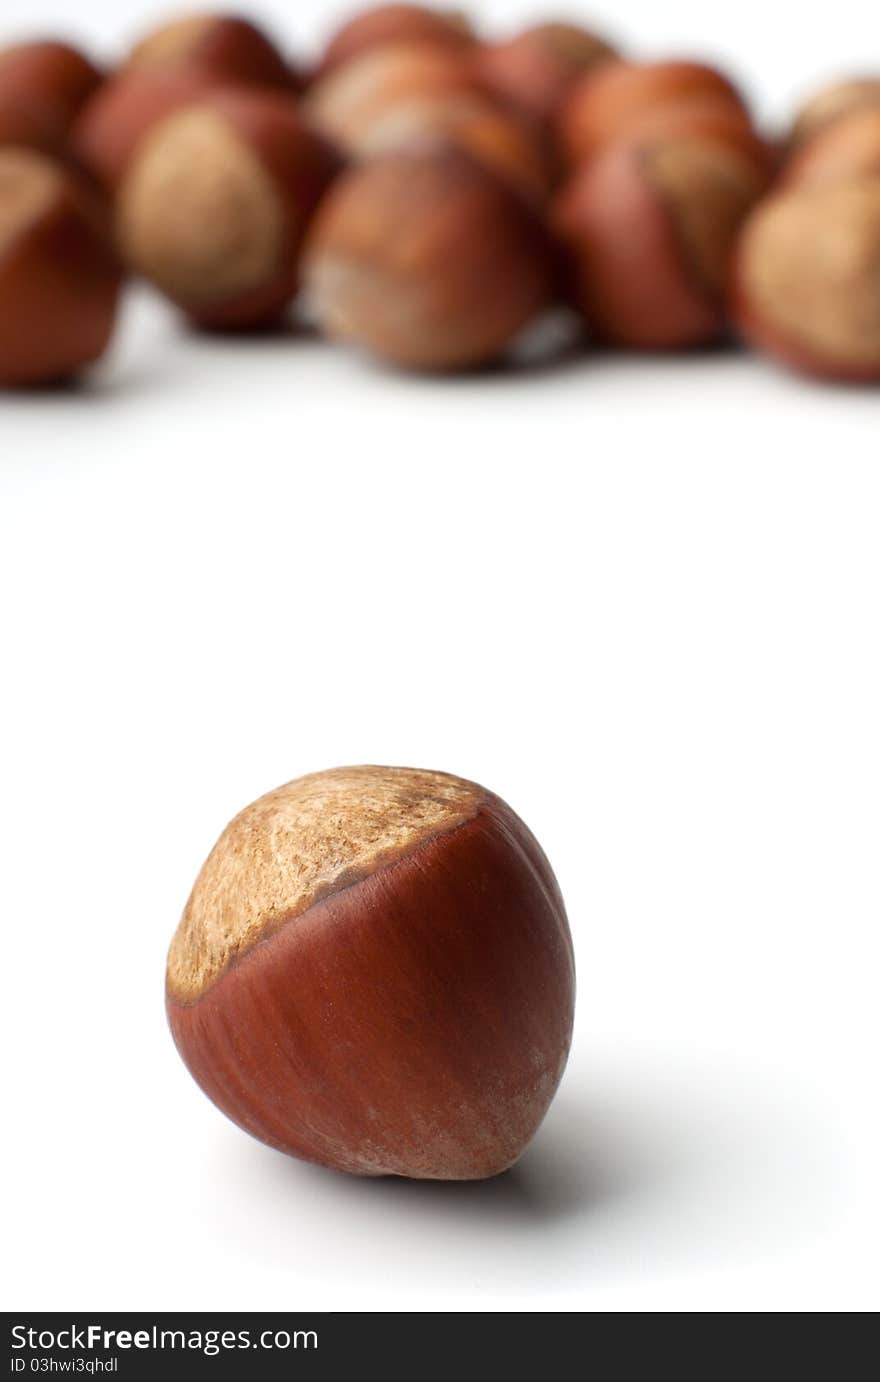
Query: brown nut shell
x=649 y=230
x=833 y=102
x=535 y=70
x=713 y=118
x=348 y=100
x=27 y=124
x=507 y=143
x=806 y=281
x=59 y=278
x=116 y=119
x=50 y=75
x=617 y=100
x=846 y=148
x=428 y=260
x=384 y=24
x=215 y=202
x=374 y=972
x=222 y=48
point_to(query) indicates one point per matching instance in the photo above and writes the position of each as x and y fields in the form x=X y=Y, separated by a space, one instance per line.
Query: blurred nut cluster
x=428 y=193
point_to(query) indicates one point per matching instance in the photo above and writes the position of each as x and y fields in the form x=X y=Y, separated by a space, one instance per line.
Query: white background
x=637 y=598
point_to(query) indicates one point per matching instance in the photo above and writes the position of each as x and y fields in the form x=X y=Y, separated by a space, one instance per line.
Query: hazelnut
x=711 y=118
x=27 y=124
x=223 y=48
x=374 y=972
x=115 y=120
x=617 y=98
x=844 y=149
x=428 y=260
x=214 y=204
x=535 y=70
x=650 y=228
x=59 y=280
x=392 y=24
x=348 y=100
x=832 y=102
x=503 y=140
x=52 y=76
x=807 y=278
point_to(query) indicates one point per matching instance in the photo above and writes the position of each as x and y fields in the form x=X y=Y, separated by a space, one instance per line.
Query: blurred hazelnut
x=806 y=284
x=27 y=124
x=349 y=99
x=117 y=117
x=59 y=278
x=221 y=47
x=620 y=97
x=48 y=75
x=650 y=228
x=385 y=24
x=215 y=201
x=505 y=141
x=535 y=70
x=832 y=102
x=428 y=260
x=844 y=149
x=712 y=117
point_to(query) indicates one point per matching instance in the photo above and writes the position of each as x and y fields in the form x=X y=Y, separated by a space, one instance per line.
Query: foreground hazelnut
x=614 y=101
x=351 y=98
x=215 y=202
x=428 y=260
x=650 y=228
x=52 y=76
x=220 y=47
x=832 y=102
x=115 y=120
x=374 y=972
x=503 y=140
x=392 y=24
x=844 y=149
x=807 y=279
x=536 y=69
x=59 y=281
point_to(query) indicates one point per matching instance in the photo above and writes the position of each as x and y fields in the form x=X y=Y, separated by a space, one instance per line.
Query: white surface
x=639 y=600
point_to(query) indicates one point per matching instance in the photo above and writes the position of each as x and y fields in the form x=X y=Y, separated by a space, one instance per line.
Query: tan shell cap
x=199 y=213
x=29 y=184
x=808 y=266
x=299 y=844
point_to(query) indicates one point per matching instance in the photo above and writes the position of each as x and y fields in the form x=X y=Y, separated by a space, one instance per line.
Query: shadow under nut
x=427 y=260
